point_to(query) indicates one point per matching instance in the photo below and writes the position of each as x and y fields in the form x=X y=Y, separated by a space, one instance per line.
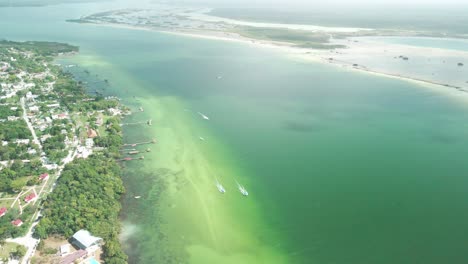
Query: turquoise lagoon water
x=341 y=167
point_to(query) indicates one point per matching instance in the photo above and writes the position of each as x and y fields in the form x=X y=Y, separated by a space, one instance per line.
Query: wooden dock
x=139 y=143
x=147 y=122
x=130 y=158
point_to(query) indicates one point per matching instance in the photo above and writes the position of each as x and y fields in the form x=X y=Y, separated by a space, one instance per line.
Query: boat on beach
x=220 y=187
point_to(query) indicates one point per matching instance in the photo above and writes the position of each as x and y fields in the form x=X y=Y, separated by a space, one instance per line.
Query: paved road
x=26 y=119
x=28 y=240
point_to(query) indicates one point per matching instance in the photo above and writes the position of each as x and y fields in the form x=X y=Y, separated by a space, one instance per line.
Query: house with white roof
x=83 y=239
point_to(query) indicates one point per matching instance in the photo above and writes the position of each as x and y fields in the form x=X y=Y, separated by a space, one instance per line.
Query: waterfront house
x=3 y=211
x=31 y=197
x=83 y=239
x=17 y=222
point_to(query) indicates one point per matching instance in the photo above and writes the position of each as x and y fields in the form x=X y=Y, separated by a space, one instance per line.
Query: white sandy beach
x=202 y=16
x=372 y=57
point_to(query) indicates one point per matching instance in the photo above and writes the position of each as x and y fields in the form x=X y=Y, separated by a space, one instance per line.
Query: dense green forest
x=5 y=112
x=19 y=175
x=15 y=130
x=17 y=152
x=8 y=230
x=73 y=95
x=87 y=197
x=40 y=48
x=88 y=191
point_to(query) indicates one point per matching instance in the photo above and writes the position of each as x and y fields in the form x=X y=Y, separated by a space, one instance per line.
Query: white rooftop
x=85 y=238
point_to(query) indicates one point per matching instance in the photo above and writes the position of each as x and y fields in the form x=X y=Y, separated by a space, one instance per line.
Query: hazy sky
x=310 y=3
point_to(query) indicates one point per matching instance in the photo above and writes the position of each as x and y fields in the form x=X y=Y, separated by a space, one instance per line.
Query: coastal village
x=48 y=122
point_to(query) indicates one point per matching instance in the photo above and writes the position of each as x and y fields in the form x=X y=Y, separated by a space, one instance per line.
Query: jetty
x=123 y=150
x=139 y=143
x=130 y=158
x=147 y=122
x=134 y=152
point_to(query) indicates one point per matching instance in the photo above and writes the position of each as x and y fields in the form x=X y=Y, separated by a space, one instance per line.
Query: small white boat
x=220 y=187
x=141 y=109
x=202 y=139
x=242 y=189
x=137 y=197
x=220 y=77
x=204 y=116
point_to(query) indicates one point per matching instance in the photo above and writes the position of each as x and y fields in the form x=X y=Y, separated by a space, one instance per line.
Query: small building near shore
x=83 y=239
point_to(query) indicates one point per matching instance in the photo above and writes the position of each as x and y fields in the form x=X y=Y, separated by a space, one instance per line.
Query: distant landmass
x=4 y=3
x=425 y=19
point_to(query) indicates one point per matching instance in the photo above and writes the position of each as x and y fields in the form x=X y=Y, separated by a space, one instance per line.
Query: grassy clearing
x=301 y=38
x=6 y=249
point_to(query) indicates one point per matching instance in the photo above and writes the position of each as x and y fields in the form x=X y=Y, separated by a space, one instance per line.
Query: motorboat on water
x=204 y=116
x=242 y=189
x=202 y=139
x=137 y=197
x=220 y=187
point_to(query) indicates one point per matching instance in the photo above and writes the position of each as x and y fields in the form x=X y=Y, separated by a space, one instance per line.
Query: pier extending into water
x=134 y=151
x=130 y=158
x=147 y=122
x=153 y=141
